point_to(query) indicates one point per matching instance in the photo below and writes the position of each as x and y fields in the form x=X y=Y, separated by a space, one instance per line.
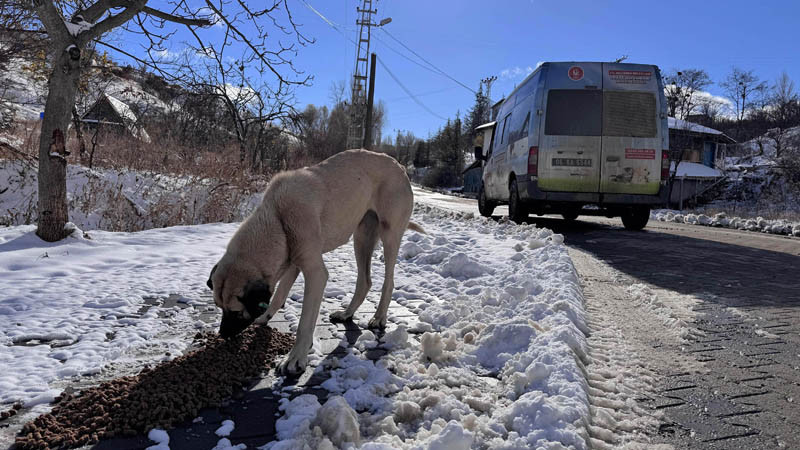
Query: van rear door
x=570 y=144
x=631 y=147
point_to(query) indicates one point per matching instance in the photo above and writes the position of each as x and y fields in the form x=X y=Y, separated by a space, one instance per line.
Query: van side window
x=525 y=125
x=506 y=126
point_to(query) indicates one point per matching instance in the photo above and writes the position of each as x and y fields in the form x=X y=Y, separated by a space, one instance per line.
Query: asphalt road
x=746 y=328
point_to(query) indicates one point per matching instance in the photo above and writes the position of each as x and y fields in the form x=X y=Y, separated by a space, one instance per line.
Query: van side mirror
x=479 y=154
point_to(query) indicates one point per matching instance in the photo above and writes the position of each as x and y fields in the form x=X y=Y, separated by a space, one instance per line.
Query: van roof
x=547 y=63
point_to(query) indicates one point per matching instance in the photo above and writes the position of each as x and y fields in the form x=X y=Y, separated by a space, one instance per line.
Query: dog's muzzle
x=234 y=322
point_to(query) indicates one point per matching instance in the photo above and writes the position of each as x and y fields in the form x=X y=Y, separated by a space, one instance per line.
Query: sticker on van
x=575 y=73
x=640 y=153
x=630 y=76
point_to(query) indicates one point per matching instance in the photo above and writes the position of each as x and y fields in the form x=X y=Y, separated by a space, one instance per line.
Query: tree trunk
x=62 y=87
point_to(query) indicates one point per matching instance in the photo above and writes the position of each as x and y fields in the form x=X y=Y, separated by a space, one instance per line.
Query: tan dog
x=306 y=213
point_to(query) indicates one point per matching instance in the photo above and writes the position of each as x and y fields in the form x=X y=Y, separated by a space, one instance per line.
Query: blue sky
x=470 y=40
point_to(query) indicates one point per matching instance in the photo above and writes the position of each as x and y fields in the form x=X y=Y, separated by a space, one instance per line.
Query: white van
x=575 y=134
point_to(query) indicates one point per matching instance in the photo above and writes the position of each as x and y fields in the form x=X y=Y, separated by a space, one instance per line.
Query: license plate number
x=572 y=162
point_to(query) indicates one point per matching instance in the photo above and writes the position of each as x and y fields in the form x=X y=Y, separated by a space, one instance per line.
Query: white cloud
x=515 y=72
x=216 y=20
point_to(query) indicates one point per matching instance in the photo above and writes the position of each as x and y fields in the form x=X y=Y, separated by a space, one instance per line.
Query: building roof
x=486 y=125
x=683 y=125
x=122 y=110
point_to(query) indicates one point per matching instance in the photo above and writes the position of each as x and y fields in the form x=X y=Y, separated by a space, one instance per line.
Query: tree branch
x=93 y=13
x=203 y=22
x=111 y=22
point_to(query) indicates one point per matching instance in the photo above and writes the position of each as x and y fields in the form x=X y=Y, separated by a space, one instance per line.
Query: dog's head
x=242 y=294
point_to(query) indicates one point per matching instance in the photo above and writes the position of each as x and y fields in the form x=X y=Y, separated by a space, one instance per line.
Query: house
x=110 y=112
x=702 y=152
x=698 y=143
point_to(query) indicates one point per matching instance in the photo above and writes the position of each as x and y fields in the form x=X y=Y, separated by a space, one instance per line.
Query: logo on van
x=575 y=73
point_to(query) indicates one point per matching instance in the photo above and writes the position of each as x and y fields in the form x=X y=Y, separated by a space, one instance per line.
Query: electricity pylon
x=358 y=97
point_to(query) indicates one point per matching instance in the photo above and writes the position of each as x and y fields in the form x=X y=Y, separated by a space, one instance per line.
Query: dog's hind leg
x=279 y=297
x=391 y=246
x=364 y=240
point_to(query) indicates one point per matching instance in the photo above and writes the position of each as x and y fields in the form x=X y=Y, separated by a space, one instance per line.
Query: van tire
x=517 y=211
x=485 y=206
x=636 y=219
x=570 y=215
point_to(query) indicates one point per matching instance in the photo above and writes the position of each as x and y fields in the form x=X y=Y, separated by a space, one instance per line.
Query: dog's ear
x=208 y=283
x=256 y=296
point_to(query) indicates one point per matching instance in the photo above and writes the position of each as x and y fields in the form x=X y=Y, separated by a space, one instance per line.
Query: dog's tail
x=414 y=227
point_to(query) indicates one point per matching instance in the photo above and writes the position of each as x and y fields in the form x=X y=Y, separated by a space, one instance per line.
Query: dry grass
x=179 y=185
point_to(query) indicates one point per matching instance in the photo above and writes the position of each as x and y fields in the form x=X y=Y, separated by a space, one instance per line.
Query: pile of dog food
x=161 y=397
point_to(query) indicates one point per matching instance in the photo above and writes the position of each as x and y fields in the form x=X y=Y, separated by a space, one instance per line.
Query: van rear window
x=572 y=112
x=629 y=113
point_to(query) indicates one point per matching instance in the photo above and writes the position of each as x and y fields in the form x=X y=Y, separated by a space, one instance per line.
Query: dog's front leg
x=316 y=276
x=279 y=297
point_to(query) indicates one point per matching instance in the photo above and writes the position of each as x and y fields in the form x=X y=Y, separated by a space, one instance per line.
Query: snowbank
x=759 y=224
x=496 y=360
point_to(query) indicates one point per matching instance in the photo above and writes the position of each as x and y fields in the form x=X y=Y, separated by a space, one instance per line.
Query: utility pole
x=370 y=99
x=488 y=81
x=356 y=136
x=358 y=97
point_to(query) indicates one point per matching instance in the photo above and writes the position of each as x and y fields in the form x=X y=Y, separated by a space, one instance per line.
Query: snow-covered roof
x=695 y=170
x=486 y=125
x=126 y=113
x=678 y=124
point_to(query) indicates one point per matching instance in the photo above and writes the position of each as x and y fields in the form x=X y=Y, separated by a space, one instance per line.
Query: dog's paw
x=293 y=365
x=377 y=322
x=340 y=316
x=264 y=318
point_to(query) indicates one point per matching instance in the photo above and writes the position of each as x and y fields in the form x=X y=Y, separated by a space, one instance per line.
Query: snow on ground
x=69 y=308
x=758 y=224
x=495 y=360
x=498 y=363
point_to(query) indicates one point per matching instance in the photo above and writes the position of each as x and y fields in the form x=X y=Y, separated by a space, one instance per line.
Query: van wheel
x=485 y=206
x=570 y=215
x=635 y=219
x=517 y=211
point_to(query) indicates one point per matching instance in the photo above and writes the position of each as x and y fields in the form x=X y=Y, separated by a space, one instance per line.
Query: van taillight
x=664 y=165
x=533 y=161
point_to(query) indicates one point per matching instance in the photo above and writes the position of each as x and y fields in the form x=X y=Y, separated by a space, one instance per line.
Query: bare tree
x=745 y=91
x=246 y=24
x=782 y=111
x=681 y=88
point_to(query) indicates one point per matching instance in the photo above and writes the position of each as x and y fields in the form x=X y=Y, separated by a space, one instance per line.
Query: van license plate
x=572 y=162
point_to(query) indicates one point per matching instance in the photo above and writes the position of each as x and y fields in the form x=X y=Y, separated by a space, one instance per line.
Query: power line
x=406 y=57
x=428 y=62
x=402 y=86
x=337 y=27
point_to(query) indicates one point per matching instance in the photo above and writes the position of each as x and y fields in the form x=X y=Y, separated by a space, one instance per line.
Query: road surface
x=695 y=329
